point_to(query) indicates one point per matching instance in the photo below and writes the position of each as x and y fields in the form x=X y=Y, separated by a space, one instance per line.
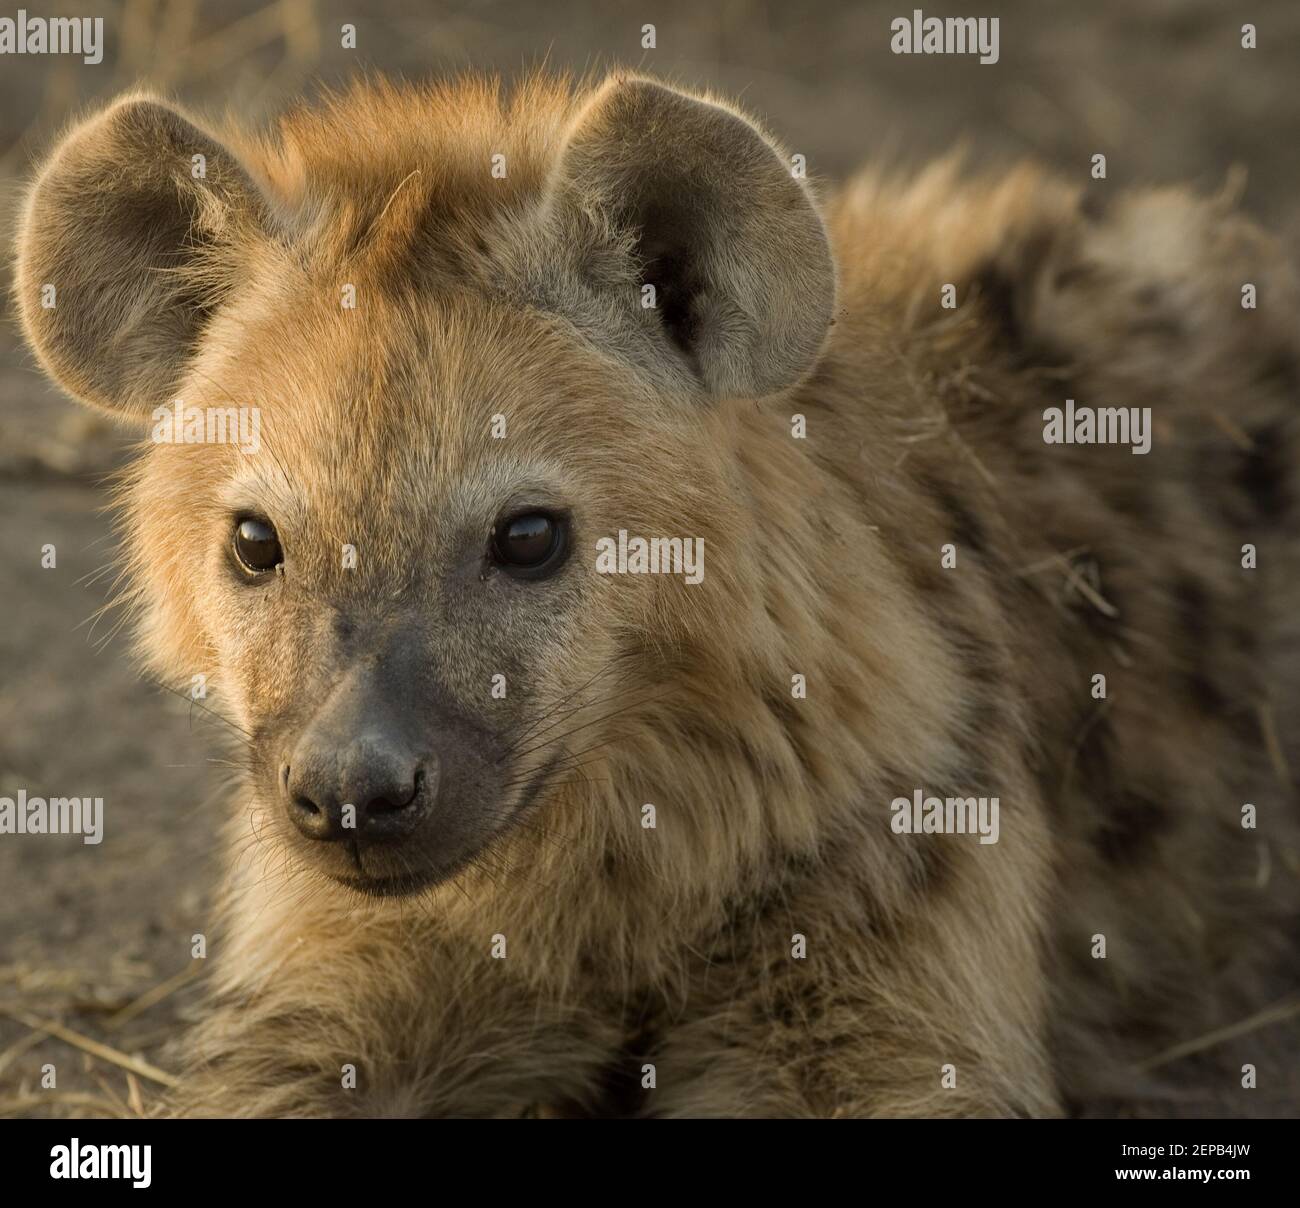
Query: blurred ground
x=1161 y=86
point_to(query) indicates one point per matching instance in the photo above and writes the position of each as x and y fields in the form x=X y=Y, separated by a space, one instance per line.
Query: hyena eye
x=529 y=545
x=256 y=545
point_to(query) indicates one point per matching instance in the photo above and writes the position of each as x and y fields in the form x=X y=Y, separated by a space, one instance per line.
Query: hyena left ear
x=729 y=238
x=114 y=278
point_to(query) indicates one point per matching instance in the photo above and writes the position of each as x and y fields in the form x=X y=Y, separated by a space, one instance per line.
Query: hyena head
x=467 y=339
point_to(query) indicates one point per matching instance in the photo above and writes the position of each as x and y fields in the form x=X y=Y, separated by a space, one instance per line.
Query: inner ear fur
x=119 y=223
x=731 y=241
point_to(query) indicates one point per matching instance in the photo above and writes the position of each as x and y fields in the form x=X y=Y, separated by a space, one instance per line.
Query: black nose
x=369 y=786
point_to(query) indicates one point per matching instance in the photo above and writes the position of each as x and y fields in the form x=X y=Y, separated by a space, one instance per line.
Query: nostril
x=312 y=819
x=391 y=803
x=379 y=806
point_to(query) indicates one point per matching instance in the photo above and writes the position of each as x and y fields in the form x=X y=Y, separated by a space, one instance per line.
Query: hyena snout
x=356 y=772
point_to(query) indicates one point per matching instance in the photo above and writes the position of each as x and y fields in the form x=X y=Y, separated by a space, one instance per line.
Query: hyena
x=512 y=836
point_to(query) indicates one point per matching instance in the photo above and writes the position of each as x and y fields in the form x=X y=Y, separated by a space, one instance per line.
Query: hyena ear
x=731 y=241
x=114 y=274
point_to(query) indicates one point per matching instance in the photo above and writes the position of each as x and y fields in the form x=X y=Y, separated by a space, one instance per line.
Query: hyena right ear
x=716 y=222
x=114 y=275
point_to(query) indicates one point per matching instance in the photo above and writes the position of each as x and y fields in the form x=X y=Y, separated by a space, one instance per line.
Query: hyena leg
x=820 y=1054
x=461 y=1057
x=941 y=1013
x=380 y=1019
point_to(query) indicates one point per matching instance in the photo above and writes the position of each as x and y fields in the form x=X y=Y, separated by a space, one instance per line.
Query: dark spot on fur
x=1079 y=273
x=1221 y=468
x=919 y=561
x=964 y=525
x=798 y=1003
x=1193 y=604
x=1005 y=289
x=1279 y=371
x=1243 y=722
x=1205 y=693
x=786 y=711
x=1264 y=473
x=1131 y=826
x=1039 y=753
x=1199 y=640
x=619 y=1094
x=784 y=1011
x=1130 y=496
x=984 y=661
x=825 y=1046
x=923 y=868
x=747 y=912
x=1095 y=205
x=929 y=866
x=761 y=768
x=998 y=299
x=1093 y=753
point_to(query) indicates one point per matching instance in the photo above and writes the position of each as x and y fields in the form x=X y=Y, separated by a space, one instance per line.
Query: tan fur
x=672 y=946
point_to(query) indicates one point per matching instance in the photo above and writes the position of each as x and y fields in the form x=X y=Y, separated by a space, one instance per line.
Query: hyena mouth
x=391 y=887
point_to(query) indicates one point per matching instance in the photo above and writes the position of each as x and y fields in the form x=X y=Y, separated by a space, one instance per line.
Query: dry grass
x=85 y=1055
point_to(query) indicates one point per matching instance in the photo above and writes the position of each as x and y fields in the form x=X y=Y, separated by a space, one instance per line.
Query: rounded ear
x=744 y=283
x=114 y=273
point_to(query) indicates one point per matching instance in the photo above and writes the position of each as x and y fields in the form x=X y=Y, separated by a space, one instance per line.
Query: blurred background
x=95 y=969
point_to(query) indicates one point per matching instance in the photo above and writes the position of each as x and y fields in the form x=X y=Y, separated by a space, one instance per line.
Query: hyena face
x=473 y=351
x=399 y=589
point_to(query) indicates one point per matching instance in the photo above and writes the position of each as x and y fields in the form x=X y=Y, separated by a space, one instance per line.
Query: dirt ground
x=96 y=939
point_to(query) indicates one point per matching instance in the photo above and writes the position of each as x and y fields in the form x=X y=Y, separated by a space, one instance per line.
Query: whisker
x=594 y=722
x=211 y=712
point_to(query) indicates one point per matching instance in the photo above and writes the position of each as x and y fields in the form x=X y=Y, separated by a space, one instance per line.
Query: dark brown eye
x=256 y=546
x=529 y=545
